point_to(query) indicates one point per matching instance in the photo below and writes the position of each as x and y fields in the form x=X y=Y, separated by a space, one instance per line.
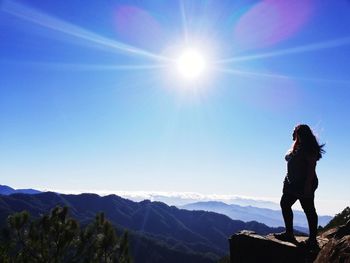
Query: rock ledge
x=248 y=247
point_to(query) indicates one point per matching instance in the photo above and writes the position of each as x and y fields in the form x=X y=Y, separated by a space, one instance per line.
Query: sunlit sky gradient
x=89 y=98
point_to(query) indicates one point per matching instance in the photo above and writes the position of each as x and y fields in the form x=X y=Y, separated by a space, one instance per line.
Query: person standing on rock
x=301 y=182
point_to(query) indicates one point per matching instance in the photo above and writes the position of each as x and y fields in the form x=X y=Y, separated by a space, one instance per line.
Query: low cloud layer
x=324 y=207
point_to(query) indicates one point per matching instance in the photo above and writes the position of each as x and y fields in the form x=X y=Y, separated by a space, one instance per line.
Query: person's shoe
x=285 y=237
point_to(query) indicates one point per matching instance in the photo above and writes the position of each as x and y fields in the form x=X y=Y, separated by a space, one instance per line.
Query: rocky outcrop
x=337 y=250
x=248 y=247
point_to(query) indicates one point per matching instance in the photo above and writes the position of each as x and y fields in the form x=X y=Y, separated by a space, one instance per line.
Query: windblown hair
x=306 y=141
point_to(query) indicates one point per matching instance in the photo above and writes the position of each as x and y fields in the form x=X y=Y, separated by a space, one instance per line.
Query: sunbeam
x=95 y=67
x=183 y=19
x=250 y=73
x=295 y=50
x=47 y=21
x=244 y=73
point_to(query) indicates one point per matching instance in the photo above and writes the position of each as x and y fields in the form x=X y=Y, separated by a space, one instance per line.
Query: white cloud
x=324 y=207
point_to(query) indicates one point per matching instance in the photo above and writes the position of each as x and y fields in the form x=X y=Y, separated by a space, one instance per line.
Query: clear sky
x=92 y=96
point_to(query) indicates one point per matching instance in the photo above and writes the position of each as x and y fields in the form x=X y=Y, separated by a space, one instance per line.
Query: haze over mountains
x=195 y=232
x=237 y=208
x=248 y=213
x=199 y=234
x=170 y=198
x=183 y=198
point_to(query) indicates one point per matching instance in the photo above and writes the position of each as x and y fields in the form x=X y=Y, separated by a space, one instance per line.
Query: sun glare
x=191 y=64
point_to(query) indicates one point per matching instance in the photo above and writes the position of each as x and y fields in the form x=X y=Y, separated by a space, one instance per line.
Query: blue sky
x=90 y=100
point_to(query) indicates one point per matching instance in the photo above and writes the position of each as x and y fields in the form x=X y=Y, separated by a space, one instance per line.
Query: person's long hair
x=306 y=141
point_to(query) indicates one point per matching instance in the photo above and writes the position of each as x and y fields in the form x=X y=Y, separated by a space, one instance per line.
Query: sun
x=191 y=64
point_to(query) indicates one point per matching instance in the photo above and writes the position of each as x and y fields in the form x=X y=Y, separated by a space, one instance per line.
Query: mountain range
x=183 y=198
x=6 y=190
x=267 y=216
x=242 y=209
x=157 y=230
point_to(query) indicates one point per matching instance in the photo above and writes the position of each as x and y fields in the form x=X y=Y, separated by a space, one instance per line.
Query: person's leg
x=286 y=203
x=308 y=206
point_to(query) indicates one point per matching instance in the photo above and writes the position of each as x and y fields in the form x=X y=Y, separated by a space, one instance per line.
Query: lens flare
x=276 y=20
x=191 y=64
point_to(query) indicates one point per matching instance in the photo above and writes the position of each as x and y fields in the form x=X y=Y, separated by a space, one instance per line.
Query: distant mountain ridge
x=6 y=190
x=180 y=199
x=267 y=216
x=191 y=231
x=240 y=210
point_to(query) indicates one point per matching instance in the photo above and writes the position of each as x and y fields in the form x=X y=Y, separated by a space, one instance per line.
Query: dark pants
x=307 y=203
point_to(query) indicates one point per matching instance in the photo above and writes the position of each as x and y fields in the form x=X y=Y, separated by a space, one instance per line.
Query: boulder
x=337 y=250
x=248 y=247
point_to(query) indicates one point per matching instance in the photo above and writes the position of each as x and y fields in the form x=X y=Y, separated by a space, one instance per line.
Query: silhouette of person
x=301 y=182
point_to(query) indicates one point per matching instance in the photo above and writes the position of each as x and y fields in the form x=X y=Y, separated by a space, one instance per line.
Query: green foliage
x=58 y=238
x=339 y=219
